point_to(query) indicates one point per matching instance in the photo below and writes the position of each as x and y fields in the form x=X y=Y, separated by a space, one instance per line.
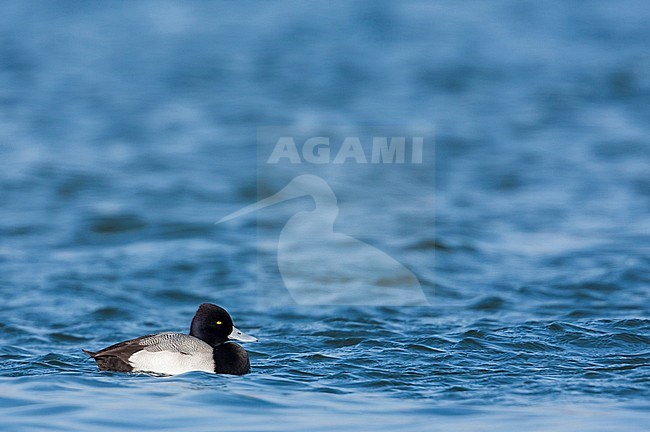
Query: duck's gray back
x=174 y=342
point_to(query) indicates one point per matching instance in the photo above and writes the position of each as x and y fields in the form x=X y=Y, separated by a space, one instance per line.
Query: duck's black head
x=213 y=325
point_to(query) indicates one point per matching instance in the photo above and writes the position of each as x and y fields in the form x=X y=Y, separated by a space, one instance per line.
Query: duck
x=206 y=348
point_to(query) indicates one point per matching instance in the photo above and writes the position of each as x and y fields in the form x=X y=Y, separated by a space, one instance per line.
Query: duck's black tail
x=89 y=353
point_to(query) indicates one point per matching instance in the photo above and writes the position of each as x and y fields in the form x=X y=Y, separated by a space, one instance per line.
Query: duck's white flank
x=172 y=354
x=172 y=363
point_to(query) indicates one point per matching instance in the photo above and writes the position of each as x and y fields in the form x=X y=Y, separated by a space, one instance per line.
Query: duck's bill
x=239 y=335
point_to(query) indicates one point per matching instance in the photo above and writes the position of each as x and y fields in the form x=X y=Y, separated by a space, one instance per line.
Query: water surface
x=127 y=130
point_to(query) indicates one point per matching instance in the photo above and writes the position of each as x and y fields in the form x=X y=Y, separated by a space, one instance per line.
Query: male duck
x=206 y=348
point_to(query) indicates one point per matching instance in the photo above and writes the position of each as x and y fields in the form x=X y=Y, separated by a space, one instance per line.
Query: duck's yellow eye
x=218 y=322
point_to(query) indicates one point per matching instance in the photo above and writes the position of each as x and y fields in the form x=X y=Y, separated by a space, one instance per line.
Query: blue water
x=128 y=128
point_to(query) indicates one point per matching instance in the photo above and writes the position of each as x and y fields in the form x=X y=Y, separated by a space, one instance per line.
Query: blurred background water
x=128 y=128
